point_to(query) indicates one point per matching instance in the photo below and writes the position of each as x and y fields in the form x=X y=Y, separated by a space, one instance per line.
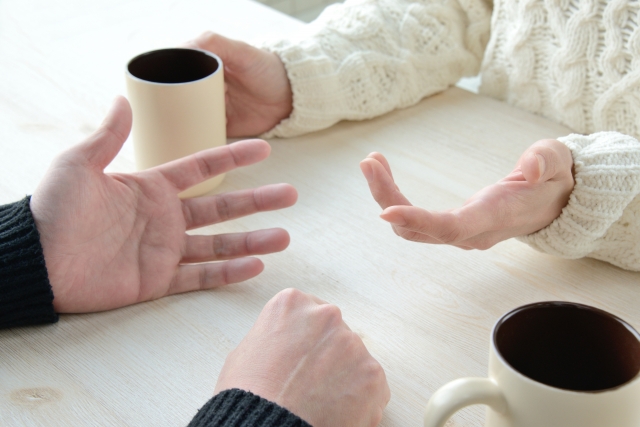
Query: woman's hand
x=258 y=92
x=111 y=240
x=525 y=201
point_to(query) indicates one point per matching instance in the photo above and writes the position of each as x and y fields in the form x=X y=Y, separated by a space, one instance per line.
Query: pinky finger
x=212 y=275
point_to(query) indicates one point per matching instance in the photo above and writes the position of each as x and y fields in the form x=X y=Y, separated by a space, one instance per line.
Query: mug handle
x=459 y=393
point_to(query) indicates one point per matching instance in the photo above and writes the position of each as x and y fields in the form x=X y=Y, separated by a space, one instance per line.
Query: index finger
x=383 y=189
x=196 y=168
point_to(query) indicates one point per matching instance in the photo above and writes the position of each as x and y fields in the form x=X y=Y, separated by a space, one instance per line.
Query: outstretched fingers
x=202 y=211
x=212 y=275
x=196 y=168
x=234 y=245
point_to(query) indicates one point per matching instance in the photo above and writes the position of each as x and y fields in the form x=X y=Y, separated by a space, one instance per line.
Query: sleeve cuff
x=26 y=297
x=596 y=220
x=241 y=408
x=315 y=86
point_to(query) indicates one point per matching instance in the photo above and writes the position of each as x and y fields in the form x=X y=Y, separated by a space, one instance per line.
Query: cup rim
x=206 y=52
x=521 y=308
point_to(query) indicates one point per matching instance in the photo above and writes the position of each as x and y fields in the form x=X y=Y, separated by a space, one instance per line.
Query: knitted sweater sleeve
x=241 y=408
x=364 y=58
x=602 y=218
x=26 y=297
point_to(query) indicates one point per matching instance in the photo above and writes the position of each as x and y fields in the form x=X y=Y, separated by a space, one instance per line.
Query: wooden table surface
x=425 y=312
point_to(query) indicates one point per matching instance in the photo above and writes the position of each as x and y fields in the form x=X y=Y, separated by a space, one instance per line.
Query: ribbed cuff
x=239 y=408
x=26 y=297
x=607 y=176
x=317 y=96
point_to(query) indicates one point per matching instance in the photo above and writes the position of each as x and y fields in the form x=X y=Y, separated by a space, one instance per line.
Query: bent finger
x=382 y=187
x=545 y=160
x=383 y=161
x=234 y=245
x=212 y=275
x=196 y=168
x=202 y=211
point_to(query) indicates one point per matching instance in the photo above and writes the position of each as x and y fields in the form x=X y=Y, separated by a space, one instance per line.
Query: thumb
x=544 y=160
x=105 y=143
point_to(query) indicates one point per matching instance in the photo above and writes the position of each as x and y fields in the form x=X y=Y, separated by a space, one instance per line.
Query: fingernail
x=367 y=171
x=541 y=164
x=394 y=219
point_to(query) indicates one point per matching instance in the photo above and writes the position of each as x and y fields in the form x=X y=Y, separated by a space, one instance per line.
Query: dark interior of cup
x=173 y=66
x=569 y=346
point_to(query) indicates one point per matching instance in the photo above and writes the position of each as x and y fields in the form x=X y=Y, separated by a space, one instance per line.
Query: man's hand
x=257 y=90
x=111 y=240
x=301 y=355
x=525 y=201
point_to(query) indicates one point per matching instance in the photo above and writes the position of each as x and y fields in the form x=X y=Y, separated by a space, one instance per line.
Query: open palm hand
x=526 y=200
x=111 y=240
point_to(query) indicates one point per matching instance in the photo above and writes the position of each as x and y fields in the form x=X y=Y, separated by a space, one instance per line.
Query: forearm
x=240 y=408
x=25 y=293
x=602 y=218
x=362 y=59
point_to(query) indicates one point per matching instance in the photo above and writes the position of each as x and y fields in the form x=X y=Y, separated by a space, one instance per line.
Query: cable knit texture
x=602 y=218
x=574 y=61
x=364 y=58
x=239 y=408
x=25 y=293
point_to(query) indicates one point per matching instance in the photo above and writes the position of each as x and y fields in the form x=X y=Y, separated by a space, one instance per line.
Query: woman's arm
x=364 y=58
x=602 y=218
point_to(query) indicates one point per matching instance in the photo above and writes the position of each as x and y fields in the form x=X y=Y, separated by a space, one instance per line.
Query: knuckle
x=219 y=248
x=451 y=236
x=284 y=301
x=412 y=236
x=376 y=417
x=375 y=371
x=484 y=244
x=222 y=208
x=290 y=297
x=289 y=294
x=259 y=199
x=203 y=166
x=208 y=36
x=330 y=313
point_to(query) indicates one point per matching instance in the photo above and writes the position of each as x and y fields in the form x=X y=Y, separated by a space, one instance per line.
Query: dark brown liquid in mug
x=569 y=346
x=173 y=66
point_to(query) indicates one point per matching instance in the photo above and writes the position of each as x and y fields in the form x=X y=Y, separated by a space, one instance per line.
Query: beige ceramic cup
x=177 y=98
x=552 y=364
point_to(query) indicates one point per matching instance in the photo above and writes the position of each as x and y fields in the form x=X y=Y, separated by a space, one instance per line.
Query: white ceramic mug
x=177 y=98
x=552 y=364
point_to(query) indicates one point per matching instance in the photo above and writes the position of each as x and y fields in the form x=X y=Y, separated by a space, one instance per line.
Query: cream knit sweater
x=574 y=61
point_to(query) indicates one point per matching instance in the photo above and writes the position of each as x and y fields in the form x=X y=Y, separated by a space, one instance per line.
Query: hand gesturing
x=526 y=200
x=111 y=240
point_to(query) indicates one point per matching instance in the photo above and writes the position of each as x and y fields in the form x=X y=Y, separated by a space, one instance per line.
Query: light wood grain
x=425 y=312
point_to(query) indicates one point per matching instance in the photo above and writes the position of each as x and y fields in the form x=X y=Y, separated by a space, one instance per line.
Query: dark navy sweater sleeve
x=26 y=297
x=239 y=408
